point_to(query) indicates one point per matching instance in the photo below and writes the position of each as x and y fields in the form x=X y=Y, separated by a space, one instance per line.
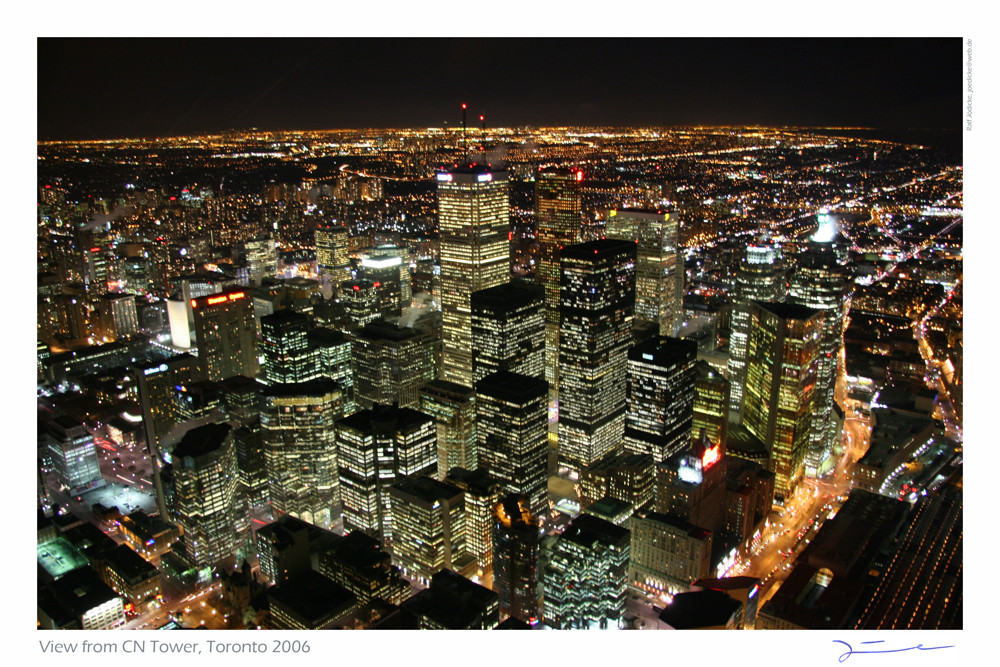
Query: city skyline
x=380 y=184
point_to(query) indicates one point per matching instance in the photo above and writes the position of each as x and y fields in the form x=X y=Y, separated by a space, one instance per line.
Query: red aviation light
x=710 y=457
x=95 y=250
x=355 y=288
x=464 y=105
x=377 y=284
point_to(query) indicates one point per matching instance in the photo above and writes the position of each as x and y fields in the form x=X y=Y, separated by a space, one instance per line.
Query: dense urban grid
x=511 y=378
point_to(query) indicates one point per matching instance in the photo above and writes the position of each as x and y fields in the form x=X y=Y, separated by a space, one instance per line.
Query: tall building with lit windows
x=482 y=493
x=593 y=554
x=660 y=395
x=284 y=345
x=333 y=265
x=387 y=267
x=659 y=266
x=711 y=403
x=297 y=424
x=515 y=559
x=474 y=228
x=559 y=215
x=508 y=330
x=759 y=277
x=820 y=282
x=783 y=348
x=454 y=410
x=333 y=358
x=597 y=295
x=226 y=335
x=512 y=424
x=390 y=364
x=376 y=447
x=206 y=502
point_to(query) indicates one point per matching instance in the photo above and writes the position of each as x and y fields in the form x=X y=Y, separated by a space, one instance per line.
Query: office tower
x=619 y=475
x=559 y=216
x=387 y=267
x=240 y=402
x=482 y=492
x=759 y=277
x=668 y=552
x=782 y=362
x=288 y=547
x=819 y=282
x=515 y=559
x=260 y=256
x=226 y=335
x=360 y=300
x=692 y=484
x=333 y=266
x=196 y=400
x=375 y=448
x=117 y=315
x=453 y=408
x=512 y=424
x=660 y=394
x=597 y=294
x=453 y=602
x=284 y=346
x=333 y=359
x=474 y=227
x=508 y=330
x=74 y=457
x=390 y=365
x=358 y=563
x=711 y=403
x=207 y=507
x=659 y=266
x=593 y=554
x=428 y=527
x=297 y=424
x=155 y=382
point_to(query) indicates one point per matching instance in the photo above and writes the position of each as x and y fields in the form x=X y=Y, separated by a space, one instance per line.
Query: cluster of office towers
x=446 y=463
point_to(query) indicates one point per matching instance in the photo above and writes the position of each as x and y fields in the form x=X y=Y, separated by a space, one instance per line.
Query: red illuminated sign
x=212 y=300
x=579 y=175
x=710 y=457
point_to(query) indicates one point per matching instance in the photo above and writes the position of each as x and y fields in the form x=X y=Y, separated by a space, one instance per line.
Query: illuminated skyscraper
x=74 y=457
x=428 y=524
x=819 y=282
x=226 y=335
x=288 y=357
x=360 y=299
x=508 y=330
x=474 y=226
x=390 y=365
x=512 y=425
x=515 y=559
x=333 y=266
x=559 y=215
x=659 y=266
x=454 y=410
x=375 y=448
x=782 y=364
x=333 y=358
x=597 y=295
x=207 y=506
x=387 y=267
x=117 y=315
x=155 y=382
x=297 y=423
x=760 y=277
x=593 y=554
x=660 y=394
x=711 y=403
x=482 y=492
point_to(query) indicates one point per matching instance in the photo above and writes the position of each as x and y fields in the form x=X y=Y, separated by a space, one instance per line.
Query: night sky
x=108 y=88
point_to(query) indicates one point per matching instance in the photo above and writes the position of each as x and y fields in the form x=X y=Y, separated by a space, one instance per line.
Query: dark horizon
x=90 y=88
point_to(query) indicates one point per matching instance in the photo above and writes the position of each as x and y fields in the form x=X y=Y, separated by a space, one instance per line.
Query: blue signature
x=850 y=651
